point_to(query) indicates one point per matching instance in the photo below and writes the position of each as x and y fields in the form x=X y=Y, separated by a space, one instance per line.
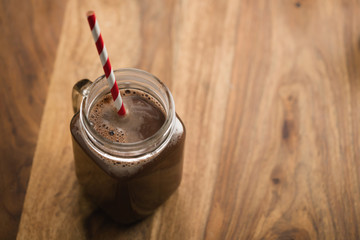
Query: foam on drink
x=144 y=117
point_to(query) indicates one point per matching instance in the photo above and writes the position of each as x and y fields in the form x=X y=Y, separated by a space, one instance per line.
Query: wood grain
x=269 y=93
x=28 y=48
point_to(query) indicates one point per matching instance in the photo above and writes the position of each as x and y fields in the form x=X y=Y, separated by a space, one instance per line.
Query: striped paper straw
x=94 y=26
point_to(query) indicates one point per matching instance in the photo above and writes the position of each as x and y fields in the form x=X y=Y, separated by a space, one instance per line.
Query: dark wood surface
x=30 y=33
x=269 y=92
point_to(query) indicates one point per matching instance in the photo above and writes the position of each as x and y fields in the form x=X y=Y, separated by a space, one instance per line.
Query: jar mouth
x=129 y=78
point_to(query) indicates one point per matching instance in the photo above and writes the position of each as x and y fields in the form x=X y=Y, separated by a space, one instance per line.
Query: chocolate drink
x=128 y=189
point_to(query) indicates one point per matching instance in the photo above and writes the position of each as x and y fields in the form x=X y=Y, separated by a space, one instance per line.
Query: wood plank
x=297 y=170
x=269 y=94
x=27 y=55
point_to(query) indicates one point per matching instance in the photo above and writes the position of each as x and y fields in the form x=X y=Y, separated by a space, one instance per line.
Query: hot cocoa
x=128 y=188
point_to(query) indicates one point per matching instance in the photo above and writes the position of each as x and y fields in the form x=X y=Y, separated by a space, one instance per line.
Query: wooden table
x=269 y=92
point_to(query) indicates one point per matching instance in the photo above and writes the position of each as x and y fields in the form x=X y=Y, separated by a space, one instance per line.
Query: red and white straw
x=94 y=26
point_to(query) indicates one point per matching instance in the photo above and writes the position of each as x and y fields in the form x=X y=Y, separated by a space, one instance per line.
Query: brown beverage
x=128 y=188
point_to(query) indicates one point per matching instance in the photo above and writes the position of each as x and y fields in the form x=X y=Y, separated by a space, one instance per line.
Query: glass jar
x=127 y=180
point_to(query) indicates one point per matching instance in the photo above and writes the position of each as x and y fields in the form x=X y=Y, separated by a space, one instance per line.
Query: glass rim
x=133 y=148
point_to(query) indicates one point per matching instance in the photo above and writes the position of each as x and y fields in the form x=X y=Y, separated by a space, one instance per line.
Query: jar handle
x=79 y=90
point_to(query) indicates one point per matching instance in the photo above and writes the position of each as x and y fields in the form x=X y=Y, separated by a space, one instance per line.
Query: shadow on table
x=97 y=224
